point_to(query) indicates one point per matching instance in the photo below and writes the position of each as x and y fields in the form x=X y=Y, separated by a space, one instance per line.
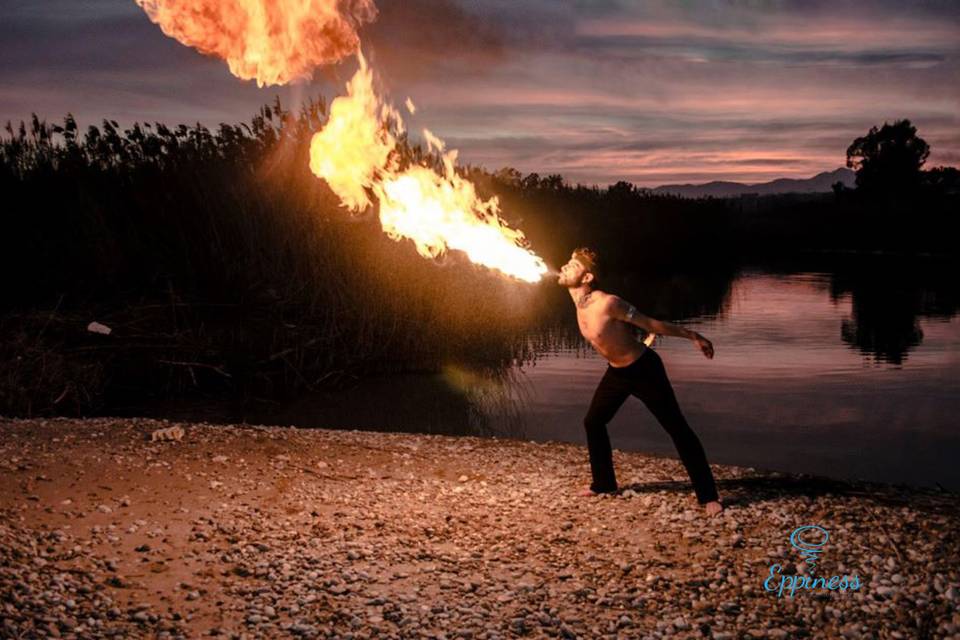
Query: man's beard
x=571 y=284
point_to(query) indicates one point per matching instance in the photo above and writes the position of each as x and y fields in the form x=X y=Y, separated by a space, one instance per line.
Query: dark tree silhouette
x=943 y=181
x=888 y=300
x=838 y=190
x=888 y=160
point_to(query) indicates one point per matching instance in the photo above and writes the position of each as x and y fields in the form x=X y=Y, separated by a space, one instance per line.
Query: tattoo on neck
x=584 y=300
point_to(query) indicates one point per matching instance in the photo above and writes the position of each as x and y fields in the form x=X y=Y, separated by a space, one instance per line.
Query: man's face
x=572 y=273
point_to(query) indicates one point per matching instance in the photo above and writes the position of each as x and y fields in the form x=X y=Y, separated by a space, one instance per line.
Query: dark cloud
x=640 y=48
x=117 y=40
x=446 y=40
x=433 y=31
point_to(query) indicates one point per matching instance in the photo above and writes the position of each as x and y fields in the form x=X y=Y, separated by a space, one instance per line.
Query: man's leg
x=653 y=387
x=607 y=399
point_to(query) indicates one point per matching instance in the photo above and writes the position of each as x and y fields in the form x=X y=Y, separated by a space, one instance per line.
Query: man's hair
x=590 y=260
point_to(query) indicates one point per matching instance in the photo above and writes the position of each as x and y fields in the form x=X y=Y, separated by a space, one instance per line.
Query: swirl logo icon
x=809 y=540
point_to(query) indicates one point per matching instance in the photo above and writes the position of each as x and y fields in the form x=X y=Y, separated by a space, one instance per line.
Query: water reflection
x=457 y=401
x=679 y=296
x=889 y=297
x=810 y=374
x=839 y=367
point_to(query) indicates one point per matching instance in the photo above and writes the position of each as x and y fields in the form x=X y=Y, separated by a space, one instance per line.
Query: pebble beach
x=242 y=531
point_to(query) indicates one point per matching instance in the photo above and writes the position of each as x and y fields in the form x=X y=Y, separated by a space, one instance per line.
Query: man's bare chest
x=595 y=326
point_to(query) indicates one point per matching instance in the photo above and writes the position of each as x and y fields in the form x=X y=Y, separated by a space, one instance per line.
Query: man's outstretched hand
x=704 y=345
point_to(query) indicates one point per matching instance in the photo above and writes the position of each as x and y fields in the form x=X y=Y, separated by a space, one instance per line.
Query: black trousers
x=646 y=379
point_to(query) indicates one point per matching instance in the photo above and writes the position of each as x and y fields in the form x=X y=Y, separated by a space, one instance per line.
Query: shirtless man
x=608 y=323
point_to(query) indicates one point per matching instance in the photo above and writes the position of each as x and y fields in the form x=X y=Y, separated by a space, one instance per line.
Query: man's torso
x=614 y=339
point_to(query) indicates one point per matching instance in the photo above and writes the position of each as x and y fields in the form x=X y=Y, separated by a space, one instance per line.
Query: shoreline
x=253 y=531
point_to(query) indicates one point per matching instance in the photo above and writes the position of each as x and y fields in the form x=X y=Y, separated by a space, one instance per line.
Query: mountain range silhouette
x=820 y=183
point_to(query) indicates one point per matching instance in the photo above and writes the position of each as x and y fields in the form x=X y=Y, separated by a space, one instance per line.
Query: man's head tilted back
x=582 y=269
x=588 y=258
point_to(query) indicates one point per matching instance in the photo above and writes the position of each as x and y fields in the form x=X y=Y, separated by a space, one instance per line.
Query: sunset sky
x=598 y=91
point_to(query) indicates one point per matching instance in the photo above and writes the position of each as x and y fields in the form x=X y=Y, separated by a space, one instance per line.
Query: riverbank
x=248 y=531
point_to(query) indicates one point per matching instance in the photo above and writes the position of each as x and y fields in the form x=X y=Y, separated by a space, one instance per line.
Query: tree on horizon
x=889 y=160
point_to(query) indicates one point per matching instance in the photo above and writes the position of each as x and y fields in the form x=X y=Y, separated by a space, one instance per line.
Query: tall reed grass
x=222 y=265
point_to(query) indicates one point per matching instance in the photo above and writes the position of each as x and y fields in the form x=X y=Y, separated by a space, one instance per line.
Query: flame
x=279 y=41
x=355 y=154
x=271 y=41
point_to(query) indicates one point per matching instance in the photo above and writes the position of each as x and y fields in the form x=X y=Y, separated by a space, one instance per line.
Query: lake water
x=784 y=391
x=853 y=373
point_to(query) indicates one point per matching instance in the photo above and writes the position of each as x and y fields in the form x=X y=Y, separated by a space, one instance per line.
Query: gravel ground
x=246 y=531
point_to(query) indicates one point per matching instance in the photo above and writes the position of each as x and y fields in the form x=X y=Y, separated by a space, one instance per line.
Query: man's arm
x=623 y=310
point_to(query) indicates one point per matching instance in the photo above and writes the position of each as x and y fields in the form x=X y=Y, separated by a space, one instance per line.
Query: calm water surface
x=844 y=376
x=788 y=389
x=848 y=374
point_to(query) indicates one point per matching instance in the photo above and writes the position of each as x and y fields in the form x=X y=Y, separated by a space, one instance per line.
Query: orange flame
x=271 y=41
x=279 y=41
x=354 y=153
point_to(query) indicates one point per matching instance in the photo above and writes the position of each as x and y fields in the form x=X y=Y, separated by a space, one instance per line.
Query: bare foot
x=713 y=508
x=587 y=492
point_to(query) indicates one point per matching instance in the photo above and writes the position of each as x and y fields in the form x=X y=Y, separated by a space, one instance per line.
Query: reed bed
x=221 y=265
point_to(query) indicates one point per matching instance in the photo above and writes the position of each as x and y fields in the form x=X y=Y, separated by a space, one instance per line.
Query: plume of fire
x=356 y=154
x=279 y=41
x=271 y=41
